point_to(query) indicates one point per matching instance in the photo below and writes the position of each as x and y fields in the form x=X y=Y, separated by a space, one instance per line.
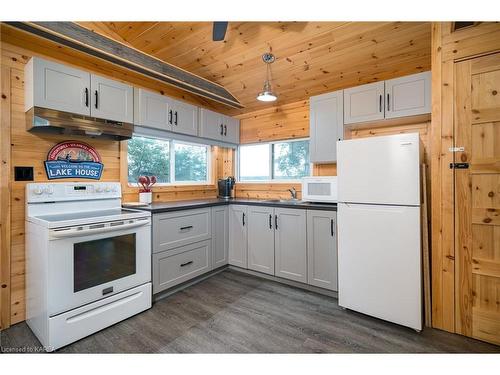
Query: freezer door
x=379 y=262
x=380 y=170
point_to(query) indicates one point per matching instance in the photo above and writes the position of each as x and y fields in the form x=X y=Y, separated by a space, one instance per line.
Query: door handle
x=170 y=117
x=86 y=96
x=187 y=263
x=186 y=228
x=225 y=130
x=175 y=121
x=331 y=228
x=221 y=129
x=243 y=218
x=74 y=232
x=276 y=222
x=96 y=98
x=388 y=104
x=270 y=221
x=380 y=103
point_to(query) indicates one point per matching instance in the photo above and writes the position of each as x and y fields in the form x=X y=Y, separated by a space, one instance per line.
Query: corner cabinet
x=220 y=236
x=322 y=249
x=399 y=97
x=63 y=88
x=326 y=114
x=217 y=126
x=238 y=235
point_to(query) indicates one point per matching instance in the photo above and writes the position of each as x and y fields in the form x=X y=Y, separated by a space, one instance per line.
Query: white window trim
x=271 y=167
x=171 y=143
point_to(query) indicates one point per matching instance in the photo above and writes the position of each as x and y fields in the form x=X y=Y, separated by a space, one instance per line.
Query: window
x=287 y=160
x=170 y=161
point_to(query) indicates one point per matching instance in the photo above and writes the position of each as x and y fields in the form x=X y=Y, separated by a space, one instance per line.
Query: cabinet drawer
x=174 y=229
x=176 y=266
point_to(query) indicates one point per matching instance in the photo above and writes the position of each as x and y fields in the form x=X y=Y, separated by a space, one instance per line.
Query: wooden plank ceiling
x=312 y=57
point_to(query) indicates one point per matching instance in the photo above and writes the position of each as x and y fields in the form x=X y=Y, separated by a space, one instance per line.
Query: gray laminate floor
x=237 y=313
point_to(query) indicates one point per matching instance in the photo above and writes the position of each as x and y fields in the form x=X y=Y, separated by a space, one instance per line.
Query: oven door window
x=100 y=261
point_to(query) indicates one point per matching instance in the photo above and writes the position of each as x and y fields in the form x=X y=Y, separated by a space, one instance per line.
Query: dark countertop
x=201 y=203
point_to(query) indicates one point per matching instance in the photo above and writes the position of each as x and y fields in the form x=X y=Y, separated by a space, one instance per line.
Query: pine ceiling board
x=312 y=57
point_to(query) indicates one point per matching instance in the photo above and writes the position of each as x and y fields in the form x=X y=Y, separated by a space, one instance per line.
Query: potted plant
x=145 y=192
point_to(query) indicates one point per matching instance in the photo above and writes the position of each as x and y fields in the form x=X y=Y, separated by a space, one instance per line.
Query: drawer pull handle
x=187 y=228
x=186 y=264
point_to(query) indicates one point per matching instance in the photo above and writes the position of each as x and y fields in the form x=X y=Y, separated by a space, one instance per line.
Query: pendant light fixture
x=267 y=94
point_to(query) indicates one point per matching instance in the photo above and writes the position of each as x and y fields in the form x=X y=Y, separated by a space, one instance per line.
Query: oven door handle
x=73 y=232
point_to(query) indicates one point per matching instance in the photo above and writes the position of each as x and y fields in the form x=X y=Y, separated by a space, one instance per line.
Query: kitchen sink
x=288 y=201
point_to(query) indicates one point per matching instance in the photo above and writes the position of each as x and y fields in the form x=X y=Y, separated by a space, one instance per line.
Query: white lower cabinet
x=290 y=245
x=322 y=249
x=175 y=266
x=261 y=239
x=238 y=235
x=220 y=236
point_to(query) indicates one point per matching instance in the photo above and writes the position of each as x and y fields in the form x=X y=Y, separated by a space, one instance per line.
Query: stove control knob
x=48 y=190
x=115 y=189
x=98 y=189
x=107 y=189
x=38 y=190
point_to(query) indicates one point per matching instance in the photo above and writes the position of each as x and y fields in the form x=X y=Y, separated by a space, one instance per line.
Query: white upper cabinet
x=111 y=100
x=326 y=126
x=184 y=117
x=223 y=128
x=151 y=110
x=364 y=103
x=408 y=96
x=231 y=130
x=55 y=86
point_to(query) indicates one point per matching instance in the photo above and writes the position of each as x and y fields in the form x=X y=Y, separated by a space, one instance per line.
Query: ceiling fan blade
x=219 y=31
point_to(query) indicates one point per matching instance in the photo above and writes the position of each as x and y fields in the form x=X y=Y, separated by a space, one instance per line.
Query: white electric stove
x=88 y=260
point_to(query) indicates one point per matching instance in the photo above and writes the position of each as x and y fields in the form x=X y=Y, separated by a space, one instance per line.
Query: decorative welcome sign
x=72 y=159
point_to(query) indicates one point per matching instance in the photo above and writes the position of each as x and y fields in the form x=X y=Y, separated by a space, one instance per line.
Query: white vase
x=146 y=197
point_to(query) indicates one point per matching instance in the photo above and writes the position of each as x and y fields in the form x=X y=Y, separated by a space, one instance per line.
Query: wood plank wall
x=21 y=148
x=292 y=121
x=448 y=48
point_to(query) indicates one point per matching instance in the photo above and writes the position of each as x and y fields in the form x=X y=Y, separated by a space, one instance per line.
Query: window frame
x=271 y=162
x=172 y=142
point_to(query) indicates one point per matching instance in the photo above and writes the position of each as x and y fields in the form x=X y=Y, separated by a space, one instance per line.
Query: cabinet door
x=231 y=130
x=326 y=126
x=151 y=110
x=364 y=103
x=261 y=239
x=220 y=235
x=55 y=86
x=185 y=117
x=111 y=100
x=211 y=124
x=408 y=96
x=322 y=249
x=290 y=244
x=238 y=235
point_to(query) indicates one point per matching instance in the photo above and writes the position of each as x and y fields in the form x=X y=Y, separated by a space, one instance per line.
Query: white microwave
x=319 y=189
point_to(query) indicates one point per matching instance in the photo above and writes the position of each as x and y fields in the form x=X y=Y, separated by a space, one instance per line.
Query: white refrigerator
x=379 y=246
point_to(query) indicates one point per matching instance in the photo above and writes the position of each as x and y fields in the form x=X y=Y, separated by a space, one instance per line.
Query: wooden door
x=364 y=103
x=151 y=110
x=326 y=124
x=290 y=244
x=322 y=249
x=220 y=235
x=211 y=125
x=238 y=235
x=408 y=96
x=477 y=198
x=57 y=86
x=111 y=100
x=261 y=239
x=185 y=117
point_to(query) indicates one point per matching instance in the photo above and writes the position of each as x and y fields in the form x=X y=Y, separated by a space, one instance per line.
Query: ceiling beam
x=77 y=37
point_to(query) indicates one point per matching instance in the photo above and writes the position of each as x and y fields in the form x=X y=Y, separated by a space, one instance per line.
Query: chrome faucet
x=293 y=192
